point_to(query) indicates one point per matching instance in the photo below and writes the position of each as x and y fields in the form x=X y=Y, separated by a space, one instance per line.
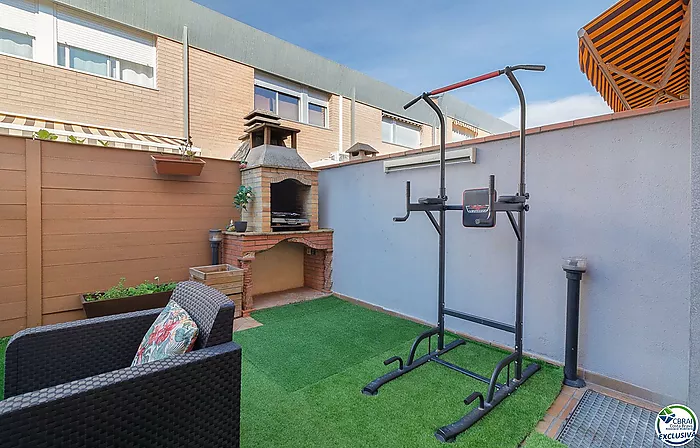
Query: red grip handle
x=466 y=82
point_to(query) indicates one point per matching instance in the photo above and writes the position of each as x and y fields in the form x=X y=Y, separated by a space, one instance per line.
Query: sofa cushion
x=173 y=332
x=210 y=309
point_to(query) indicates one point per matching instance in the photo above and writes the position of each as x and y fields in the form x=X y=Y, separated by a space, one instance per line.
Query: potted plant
x=186 y=164
x=241 y=200
x=124 y=299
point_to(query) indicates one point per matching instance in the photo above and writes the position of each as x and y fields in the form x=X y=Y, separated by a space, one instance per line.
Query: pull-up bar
x=479 y=207
x=476 y=79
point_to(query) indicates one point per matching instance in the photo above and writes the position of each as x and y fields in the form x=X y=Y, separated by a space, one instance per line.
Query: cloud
x=562 y=109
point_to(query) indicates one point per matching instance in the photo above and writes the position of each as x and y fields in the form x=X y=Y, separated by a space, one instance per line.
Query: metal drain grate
x=599 y=421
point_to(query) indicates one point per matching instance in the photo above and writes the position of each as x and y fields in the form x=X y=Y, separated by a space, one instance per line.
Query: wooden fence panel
x=102 y=214
x=13 y=236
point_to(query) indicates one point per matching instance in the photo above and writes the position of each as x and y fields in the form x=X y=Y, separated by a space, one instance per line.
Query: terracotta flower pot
x=175 y=165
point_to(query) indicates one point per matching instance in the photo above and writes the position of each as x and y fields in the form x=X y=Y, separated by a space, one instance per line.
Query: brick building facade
x=54 y=79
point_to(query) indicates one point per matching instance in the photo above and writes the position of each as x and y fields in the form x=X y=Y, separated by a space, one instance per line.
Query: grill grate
x=599 y=421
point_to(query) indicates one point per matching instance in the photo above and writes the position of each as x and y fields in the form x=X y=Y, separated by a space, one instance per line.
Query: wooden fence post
x=33 y=188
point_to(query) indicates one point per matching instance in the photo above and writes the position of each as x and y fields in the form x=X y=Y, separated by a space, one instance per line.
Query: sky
x=422 y=45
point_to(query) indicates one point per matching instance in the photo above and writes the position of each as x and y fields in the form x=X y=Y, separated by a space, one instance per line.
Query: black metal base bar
x=449 y=432
x=461 y=370
x=373 y=387
x=480 y=320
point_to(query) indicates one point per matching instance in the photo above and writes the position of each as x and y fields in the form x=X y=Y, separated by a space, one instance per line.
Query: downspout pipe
x=186 y=84
x=353 y=140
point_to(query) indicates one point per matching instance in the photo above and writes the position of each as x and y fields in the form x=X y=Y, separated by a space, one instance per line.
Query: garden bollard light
x=574 y=268
x=215 y=238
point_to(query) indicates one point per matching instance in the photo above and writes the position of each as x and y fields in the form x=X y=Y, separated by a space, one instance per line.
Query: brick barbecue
x=284 y=205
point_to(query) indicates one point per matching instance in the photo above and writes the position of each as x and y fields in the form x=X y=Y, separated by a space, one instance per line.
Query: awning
x=24 y=126
x=637 y=53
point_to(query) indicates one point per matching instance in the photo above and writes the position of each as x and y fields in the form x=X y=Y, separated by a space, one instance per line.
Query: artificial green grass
x=304 y=369
x=537 y=440
x=3 y=345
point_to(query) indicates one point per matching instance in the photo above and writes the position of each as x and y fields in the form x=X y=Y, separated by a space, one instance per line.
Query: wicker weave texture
x=69 y=385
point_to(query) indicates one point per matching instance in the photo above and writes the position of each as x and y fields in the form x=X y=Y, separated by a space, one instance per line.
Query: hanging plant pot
x=176 y=165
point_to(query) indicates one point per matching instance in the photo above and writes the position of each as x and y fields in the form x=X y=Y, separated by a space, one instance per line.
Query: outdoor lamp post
x=574 y=268
x=215 y=237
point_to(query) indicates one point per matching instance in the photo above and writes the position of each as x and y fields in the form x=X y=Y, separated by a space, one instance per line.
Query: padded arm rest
x=45 y=356
x=184 y=400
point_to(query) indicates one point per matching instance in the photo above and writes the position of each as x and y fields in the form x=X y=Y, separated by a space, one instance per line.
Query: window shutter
x=18 y=16
x=81 y=30
x=387 y=130
x=407 y=135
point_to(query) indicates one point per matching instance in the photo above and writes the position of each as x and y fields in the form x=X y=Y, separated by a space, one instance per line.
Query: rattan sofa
x=71 y=384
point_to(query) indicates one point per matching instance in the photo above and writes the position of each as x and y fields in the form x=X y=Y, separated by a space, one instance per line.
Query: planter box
x=225 y=278
x=165 y=164
x=99 y=308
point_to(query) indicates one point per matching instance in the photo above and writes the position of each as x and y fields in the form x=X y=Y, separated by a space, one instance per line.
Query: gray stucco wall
x=616 y=192
x=694 y=389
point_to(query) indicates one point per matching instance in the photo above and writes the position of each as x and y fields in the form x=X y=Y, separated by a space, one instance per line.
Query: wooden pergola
x=637 y=53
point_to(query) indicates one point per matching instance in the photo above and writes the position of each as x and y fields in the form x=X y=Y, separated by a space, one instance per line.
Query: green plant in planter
x=119 y=291
x=243 y=197
x=186 y=151
x=104 y=143
x=43 y=134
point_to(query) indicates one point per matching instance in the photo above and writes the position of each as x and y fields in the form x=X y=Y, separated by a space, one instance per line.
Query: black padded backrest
x=211 y=310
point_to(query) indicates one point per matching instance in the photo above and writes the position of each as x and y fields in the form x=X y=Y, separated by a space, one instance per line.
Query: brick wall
x=314 y=142
x=221 y=94
x=241 y=250
x=259 y=179
x=315 y=269
x=368 y=129
x=42 y=90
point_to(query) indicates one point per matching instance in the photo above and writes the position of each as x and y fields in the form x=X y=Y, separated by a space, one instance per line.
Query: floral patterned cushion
x=173 y=333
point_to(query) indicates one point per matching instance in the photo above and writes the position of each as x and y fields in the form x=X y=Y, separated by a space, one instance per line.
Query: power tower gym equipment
x=479 y=208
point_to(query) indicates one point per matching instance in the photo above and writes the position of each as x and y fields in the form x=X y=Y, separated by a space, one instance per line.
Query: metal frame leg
x=373 y=387
x=449 y=432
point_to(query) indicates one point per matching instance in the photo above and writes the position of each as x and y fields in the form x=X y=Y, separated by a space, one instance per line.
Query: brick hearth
x=239 y=249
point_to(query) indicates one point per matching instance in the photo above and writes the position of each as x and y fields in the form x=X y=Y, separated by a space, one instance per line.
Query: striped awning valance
x=473 y=129
x=637 y=53
x=24 y=126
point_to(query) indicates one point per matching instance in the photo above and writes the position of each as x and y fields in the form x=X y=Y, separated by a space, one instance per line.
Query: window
x=317 y=115
x=459 y=134
x=291 y=101
x=399 y=132
x=462 y=132
x=18 y=28
x=88 y=61
x=102 y=65
x=265 y=99
x=16 y=44
x=94 y=45
x=288 y=106
x=136 y=73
